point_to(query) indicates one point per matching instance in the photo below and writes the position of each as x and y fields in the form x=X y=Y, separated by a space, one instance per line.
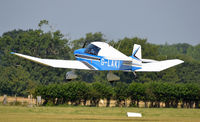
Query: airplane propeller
x=84 y=44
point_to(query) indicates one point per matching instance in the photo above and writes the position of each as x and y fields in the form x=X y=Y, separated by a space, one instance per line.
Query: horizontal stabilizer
x=149 y=61
x=72 y=64
x=156 y=66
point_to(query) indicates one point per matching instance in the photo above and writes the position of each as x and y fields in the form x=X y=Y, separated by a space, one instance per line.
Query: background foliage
x=21 y=77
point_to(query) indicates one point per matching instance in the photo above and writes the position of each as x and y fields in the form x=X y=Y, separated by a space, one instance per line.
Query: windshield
x=92 y=49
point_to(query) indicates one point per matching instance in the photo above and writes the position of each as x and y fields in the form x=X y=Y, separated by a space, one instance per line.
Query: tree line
x=151 y=93
x=21 y=77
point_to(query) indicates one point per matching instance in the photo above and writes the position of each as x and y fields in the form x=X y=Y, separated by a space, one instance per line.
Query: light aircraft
x=103 y=57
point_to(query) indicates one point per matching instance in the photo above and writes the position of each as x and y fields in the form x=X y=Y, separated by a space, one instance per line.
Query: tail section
x=137 y=52
x=136 y=57
x=149 y=65
x=157 y=66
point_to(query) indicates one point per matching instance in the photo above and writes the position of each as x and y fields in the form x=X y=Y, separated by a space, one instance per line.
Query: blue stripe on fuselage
x=106 y=64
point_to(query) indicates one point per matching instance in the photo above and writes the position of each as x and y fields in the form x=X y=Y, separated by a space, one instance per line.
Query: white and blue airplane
x=102 y=56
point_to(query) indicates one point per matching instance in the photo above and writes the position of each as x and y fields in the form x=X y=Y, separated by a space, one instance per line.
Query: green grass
x=91 y=114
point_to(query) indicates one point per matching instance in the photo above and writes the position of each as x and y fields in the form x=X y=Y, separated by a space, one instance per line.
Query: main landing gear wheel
x=71 y=75
x=111 y=77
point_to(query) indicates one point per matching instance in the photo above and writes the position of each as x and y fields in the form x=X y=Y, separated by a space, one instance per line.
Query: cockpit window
x=92 y=49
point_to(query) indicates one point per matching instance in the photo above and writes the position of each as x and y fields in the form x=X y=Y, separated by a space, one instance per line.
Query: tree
x=35 y=43
x=148 y=50
x=136 y=92
x=95 y=95
x=194 y=52
x=15 y=81
x=105 y=89
x=90 y=37
x=121 y=93
x=43 y=22
x=76 y=91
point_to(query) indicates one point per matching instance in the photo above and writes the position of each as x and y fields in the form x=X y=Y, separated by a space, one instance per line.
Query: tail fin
x=137 y=52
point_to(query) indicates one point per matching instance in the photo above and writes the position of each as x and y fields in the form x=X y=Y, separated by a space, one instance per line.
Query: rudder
x=136 y=54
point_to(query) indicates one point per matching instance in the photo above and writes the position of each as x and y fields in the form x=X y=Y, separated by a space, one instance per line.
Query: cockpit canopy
x=92 y=49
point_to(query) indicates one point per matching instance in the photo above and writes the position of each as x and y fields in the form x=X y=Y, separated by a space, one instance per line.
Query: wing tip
x=12 y=52
x=180 y=61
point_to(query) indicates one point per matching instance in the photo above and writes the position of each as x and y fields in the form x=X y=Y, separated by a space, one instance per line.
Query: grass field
x=91 y=114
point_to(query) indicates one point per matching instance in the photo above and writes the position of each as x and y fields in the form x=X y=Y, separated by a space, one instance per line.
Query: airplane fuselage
x=95 y=62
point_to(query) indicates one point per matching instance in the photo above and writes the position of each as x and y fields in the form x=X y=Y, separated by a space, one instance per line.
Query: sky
x=159 y=21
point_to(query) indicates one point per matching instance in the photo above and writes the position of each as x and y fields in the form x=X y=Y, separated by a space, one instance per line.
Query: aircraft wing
x=72 y=64
x=156 y=66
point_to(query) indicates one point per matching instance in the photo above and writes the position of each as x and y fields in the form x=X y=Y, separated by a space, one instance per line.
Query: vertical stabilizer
x=137 y=52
